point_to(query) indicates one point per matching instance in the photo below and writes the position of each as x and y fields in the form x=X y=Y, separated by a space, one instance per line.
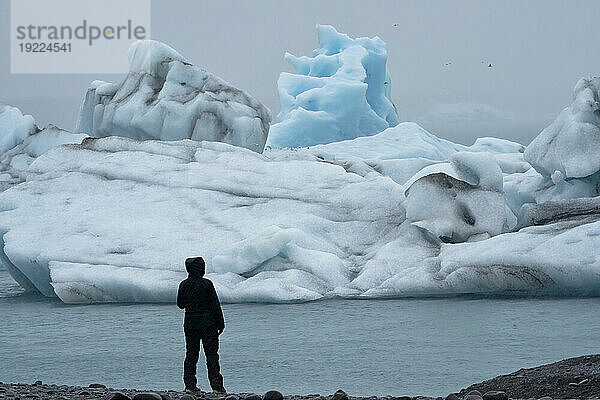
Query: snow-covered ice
x=342 y=92
x=565 y=162
x=14 y=127
x=164 y=97
x=22 y=141
x=569 y=145
x=125 y=214
x=401 y=151
x=459 y=200
x=558 y=259
x=269 y=231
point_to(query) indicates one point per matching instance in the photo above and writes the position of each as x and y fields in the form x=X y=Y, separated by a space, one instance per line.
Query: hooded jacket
x=197 y=295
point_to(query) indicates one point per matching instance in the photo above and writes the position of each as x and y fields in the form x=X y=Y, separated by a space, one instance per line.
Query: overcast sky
x=538 y=49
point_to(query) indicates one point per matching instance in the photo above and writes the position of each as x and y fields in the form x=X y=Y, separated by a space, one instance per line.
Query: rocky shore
x=574 y=378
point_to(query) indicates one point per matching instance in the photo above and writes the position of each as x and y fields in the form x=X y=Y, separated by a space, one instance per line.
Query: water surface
x=366 y=347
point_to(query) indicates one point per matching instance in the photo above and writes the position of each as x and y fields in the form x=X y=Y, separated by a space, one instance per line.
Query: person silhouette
x=203 y=322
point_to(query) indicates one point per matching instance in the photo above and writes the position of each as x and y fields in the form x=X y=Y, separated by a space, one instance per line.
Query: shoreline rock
x=573 y=378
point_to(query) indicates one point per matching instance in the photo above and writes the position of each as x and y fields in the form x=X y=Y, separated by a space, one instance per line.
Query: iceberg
x=565 y=165
x=164 y=97
x=284 y=226
x=342 y=92
x=568 y=146
x=266 y=231
x=556 y=259
x=22 y=141
x=174 y=167
x=14 y=127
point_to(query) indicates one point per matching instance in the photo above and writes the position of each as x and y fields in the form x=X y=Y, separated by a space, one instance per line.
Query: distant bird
x=395 y=24
x=490 y=66
x=448 y=63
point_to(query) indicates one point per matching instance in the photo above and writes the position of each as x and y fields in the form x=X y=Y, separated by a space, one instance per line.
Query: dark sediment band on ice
x=574 y=378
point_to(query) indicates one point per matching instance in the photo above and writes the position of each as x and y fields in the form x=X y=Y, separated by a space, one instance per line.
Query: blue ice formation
x=341 y=92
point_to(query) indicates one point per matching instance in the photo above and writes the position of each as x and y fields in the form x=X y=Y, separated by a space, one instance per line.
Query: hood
x=195 y=266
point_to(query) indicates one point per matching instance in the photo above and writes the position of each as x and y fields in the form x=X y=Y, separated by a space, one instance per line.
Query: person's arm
x=218 y=312
x=180 y=297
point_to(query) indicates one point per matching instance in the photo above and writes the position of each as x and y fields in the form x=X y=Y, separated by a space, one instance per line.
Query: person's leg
x=192 y=351
x=210 y=342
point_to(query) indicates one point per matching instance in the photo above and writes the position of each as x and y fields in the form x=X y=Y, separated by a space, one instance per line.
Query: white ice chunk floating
x=164 y=97
x=342 y=92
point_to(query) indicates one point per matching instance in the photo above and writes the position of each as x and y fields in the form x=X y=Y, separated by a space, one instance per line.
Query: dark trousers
x=210 y=342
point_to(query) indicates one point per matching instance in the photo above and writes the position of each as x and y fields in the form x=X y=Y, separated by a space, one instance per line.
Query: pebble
x=495 y=395
x=97 y=386
x=339 y=395
x=273 y=395
x=473 y=395
x=117 y=396
x=147 y=396
x=96 y=391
